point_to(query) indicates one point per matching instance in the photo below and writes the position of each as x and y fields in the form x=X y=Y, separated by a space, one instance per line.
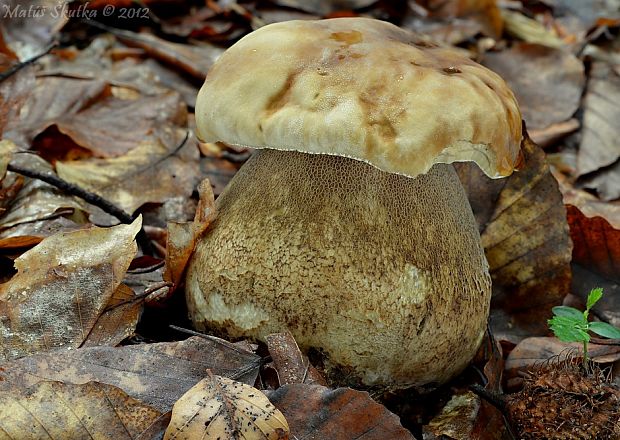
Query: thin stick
x=90 y=197
x=17 y=67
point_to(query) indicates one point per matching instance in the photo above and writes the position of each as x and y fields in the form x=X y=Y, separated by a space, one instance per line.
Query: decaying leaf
x=128 y=180
x=182 y=236
x=157 y=374
x=525 y=236
x=315 y=412
x=547 y=82
x=61 y=287
x=600 y=142
x=220 y=407
x=56 y=410
x=529 y=30
x=118 y=321
x=324 y=7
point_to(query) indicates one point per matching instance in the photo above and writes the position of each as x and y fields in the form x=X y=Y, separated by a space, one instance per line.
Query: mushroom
x=349 y=227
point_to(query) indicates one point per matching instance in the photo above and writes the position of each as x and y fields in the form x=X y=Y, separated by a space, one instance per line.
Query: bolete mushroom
x=349 y=227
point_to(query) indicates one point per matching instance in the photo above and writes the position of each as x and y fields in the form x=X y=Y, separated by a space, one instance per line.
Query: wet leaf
x=128 y=180
x=218 y=407
x=55 y=410
x=600 y=143
x=13 y=92
x=315 y=412
x=484 y=12
x=547 y=82
x=525 y=236
x=61 y=287
x=157 y=374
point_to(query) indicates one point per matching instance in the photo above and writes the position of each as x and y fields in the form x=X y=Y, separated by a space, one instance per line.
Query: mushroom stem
x=384 y=273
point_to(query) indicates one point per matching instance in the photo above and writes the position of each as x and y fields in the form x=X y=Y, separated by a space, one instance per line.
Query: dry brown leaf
x=315 y=413
x=217 y=407
x=182 y=236
x=13 y=92
x=6 y=153
x=547 y=82
x=114 y=126
x=466 y=416
x=324 y=7
x=55 y=410
x=61 y=287
x=289 y=362
x=484 y=12
x=50 y=100
x=118 y=321
x=194 y=60
x=600 y=142
x=525 y=236
x=152 y=172
x=537 y=350
x=605 y=181
x=596 y=244
x=27 y=32
x=157 y=374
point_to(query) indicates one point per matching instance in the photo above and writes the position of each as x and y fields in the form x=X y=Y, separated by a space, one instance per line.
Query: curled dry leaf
x=182 y=236
x=61 y=287
x=315 y=412
x=194 y=60
x=128 y=180
x=56 y=410
x=547 y=82
x=290 y=363
x=525 y=235
x=157 y=374
x=599 y=144
x=217 y=407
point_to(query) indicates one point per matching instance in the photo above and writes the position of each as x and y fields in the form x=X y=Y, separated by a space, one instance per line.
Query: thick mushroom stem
x=384 y=273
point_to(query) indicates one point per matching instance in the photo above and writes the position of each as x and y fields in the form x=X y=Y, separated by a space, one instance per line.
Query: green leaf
x=568 y=329
x=569 y=312
x=593 y=297
x=605 y=330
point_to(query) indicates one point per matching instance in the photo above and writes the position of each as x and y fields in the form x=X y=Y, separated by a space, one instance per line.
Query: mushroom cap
x=364 y=89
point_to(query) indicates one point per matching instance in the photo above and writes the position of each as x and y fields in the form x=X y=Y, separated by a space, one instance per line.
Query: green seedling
x=571 y=325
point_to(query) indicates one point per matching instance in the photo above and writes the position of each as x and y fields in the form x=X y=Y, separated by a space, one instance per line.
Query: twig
x=90 y=197
x=18 y=66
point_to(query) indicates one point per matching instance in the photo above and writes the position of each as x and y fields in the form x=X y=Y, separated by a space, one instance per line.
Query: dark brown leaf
x=290 y=363
x=314 y=412
x=525 y=236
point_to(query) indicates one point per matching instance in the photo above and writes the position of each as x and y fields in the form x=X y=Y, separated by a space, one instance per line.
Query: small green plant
x=571 y=325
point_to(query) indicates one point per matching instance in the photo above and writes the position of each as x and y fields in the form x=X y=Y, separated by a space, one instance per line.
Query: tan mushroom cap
x=363 y=89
